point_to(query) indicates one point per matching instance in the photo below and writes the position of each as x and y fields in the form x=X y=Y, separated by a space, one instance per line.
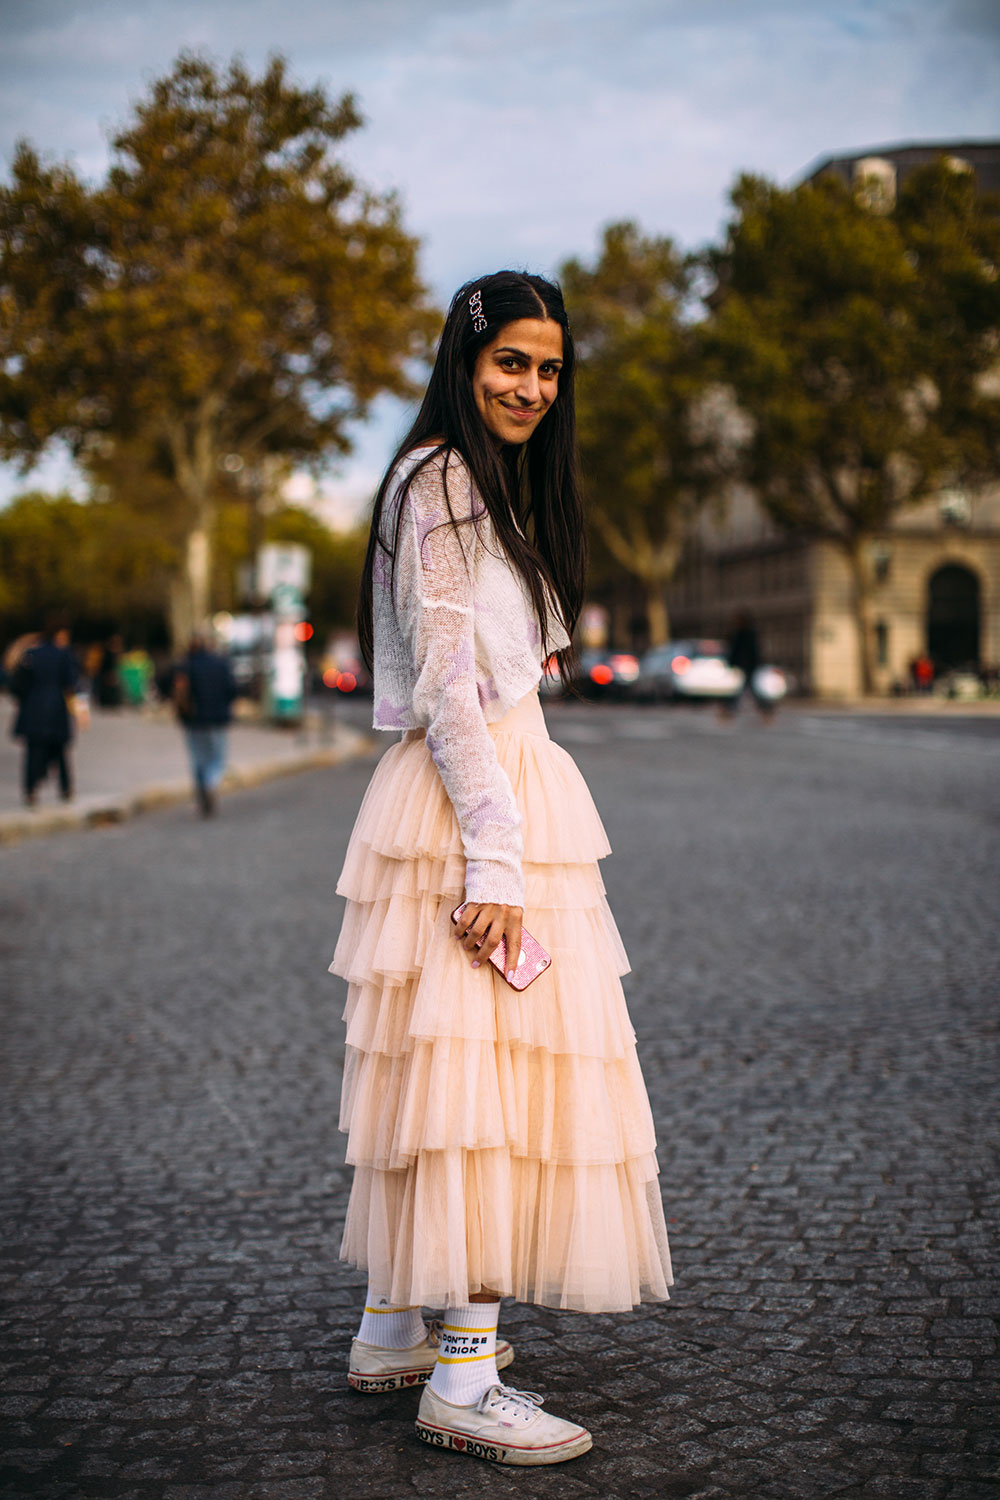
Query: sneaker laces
x=519 y=1405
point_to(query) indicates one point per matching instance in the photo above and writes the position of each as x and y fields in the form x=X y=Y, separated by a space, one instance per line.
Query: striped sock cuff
x=389 y=1327
x=466 y=1363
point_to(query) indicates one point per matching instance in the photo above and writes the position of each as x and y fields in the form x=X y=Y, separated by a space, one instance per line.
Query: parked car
x=551 y=683
x=770 y=684
x=687 y=669
x=698 y=669
x=607 y=674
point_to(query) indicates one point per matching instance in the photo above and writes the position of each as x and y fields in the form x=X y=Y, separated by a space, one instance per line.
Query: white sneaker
x=373 y=1370
x=505 y=1426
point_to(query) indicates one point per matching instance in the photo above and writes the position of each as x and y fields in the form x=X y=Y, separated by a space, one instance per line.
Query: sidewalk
x=131 y=760
x=915 y=707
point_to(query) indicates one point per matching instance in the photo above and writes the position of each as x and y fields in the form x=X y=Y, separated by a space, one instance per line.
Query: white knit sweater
x=461 y=646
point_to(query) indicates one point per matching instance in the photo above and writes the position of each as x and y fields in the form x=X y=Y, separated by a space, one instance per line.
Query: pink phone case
x=533 y=960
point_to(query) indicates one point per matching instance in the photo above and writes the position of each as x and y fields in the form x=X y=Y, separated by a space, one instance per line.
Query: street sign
x=284 y=564
x=287 y=601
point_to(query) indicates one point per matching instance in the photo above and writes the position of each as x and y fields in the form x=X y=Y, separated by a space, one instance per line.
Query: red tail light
x=680 y=665
x=347 y=682
x=601 y=674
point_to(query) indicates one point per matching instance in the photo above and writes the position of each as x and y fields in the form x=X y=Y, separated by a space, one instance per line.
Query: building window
x=955 y=507
x=874 y=182
x=881 y=559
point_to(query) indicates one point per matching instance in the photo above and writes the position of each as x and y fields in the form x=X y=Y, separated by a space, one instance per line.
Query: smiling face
x=516 y=377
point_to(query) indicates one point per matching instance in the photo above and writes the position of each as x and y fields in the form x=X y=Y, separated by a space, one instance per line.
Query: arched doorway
x=953 y=617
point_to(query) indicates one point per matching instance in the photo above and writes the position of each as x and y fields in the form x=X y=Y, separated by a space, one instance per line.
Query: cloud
x=510 y=152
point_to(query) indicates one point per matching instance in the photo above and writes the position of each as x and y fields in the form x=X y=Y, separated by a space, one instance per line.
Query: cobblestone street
x=811 y=913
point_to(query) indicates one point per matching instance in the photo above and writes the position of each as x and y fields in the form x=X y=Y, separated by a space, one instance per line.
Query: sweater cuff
x=491 y=880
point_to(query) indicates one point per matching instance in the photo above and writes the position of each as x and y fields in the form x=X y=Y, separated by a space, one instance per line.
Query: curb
x=902 y=708
x=98 y=811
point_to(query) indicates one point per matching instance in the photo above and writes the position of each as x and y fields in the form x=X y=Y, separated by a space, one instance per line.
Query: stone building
x=935 y=580
x=878 y=171
x=934 y=574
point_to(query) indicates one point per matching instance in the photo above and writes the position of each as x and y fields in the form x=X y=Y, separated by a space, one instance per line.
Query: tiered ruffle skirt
x=500 y=1140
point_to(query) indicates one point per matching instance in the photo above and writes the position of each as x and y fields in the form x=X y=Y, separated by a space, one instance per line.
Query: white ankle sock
x=390 y=1327
x=467 y=1360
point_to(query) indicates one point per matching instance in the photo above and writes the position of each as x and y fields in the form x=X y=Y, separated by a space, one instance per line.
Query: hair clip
x=476 y=311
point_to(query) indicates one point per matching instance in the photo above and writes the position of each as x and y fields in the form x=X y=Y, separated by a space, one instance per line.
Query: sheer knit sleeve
x=435 y=571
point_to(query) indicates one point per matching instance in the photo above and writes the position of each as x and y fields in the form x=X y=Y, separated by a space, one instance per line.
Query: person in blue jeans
x=203 y=692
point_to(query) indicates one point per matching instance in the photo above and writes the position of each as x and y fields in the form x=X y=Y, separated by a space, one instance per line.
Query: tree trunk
x=193 y=453
x=657 y=618
x=179 y=617
x=257 y=529
x=861 y=595
x=652 y=563
x=190 y=590
x=198 y=567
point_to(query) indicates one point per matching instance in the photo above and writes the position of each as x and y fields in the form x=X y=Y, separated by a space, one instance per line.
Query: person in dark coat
x=107 y=682
x=43 y=682
x=203 y=693
x=744 y=653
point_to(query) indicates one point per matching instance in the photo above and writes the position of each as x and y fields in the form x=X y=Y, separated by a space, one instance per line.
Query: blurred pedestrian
x=743 y=652
x=922 y=673
x=203 y=693
x=107 y=682
x=501 y=1146
x=44 y=682
x=135 y=674
x=92 y=655
x=15 y=651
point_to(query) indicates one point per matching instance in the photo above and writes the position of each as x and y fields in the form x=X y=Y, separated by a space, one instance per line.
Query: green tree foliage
x=952 y=237
x=230 y=289
x=647 y=446
x=98 y=563
x=104 y=567
x=842 y=330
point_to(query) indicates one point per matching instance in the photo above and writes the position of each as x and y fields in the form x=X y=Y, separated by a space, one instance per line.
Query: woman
x=501 y=1139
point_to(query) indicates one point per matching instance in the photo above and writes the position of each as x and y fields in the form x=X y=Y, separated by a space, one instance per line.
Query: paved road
x=811 y=914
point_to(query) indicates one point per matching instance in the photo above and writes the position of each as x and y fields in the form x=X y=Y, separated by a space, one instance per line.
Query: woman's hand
x=482 y=925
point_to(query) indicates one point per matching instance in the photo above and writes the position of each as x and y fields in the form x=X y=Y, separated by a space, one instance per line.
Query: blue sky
x=513 y=131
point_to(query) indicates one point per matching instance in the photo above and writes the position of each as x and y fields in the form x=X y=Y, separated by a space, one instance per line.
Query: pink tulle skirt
x=499 y=1140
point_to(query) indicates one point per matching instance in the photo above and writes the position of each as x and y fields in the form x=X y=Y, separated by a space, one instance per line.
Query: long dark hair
x=533 y=487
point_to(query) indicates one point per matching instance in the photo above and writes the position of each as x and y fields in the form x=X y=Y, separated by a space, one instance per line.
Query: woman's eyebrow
x=553 y=359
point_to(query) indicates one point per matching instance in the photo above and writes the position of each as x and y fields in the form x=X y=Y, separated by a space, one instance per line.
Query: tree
x=41 y=539
x=952 y=236
x=824 y=323
x=97 y=563
x=230 y=289
x=100 y=564
x=648 y=442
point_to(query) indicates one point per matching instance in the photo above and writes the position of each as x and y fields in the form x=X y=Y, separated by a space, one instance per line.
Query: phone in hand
x=532 y=962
